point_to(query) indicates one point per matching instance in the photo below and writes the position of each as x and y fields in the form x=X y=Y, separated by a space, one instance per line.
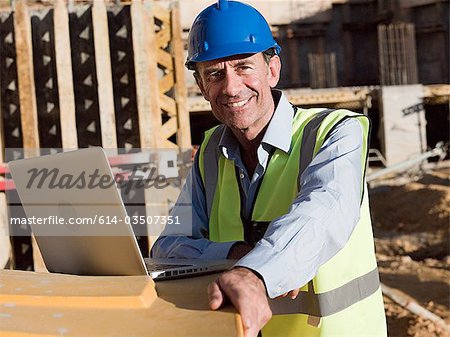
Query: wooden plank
x=165 y=59
x=437 y=90
x=25 y=74
x=27 y=97
x=168 y=104
x=145 y=64
x=161 y=14
x=5 y=243
x=184 y=128
x=167 y=144
x=104 y=76
x=68 y=305
x=343 y=95
x=147 y=92
x=163 y=38
x=166 y=82
x=169 y=128
x=65 y=79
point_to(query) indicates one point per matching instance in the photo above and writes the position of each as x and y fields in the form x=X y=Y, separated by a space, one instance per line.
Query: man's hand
x=247 y=293
x=292 y=294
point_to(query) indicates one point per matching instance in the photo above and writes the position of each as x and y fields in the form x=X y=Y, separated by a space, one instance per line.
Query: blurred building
x=368 y=42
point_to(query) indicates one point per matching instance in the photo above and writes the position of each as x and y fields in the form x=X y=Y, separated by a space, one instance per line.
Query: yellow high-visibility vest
x=344 y=298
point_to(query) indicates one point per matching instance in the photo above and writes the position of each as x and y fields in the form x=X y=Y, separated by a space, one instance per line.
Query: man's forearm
x=189 y=248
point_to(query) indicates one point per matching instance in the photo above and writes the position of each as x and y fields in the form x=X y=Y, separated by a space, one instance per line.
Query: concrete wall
x=276 y=12
x=402 y=125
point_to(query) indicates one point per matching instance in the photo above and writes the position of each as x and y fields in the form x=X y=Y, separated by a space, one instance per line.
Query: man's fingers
x=247 y=293
x=251 y=331
x=282 y=295
x=294 y=293
x=215 y=295
x=252 y=321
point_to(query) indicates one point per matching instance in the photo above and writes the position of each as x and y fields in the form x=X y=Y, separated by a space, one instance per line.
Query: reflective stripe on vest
x=311 y=303
x=211 y=154
x=330 y=302
x=309 y=142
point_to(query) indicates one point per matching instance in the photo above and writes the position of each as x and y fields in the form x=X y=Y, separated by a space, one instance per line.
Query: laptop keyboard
x=162 y=266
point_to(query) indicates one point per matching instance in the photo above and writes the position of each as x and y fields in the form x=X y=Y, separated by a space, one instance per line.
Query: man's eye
x=215 y=75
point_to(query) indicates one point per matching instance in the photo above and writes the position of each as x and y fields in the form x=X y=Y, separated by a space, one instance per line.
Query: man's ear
x=274 y=70
x=199 y=81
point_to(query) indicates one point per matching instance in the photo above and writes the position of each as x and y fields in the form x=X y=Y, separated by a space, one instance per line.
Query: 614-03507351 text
x=98 y=219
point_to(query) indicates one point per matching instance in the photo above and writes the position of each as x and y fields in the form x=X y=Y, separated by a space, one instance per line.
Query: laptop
x=58 y=191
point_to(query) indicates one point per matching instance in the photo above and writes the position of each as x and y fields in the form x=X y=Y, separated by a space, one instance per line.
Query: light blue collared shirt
x=317 y=225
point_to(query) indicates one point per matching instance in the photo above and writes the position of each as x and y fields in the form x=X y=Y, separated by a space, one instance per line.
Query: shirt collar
x=278 y=132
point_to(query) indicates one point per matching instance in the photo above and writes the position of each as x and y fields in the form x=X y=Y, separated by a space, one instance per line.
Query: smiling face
x=239 y=91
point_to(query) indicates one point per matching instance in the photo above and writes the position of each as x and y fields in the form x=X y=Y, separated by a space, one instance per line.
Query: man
x=279 y=188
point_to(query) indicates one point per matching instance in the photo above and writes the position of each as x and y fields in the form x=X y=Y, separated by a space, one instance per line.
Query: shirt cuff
x=217 y=250
x=262 y=261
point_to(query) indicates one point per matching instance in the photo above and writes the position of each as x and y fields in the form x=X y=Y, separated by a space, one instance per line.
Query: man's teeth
x=237 y=104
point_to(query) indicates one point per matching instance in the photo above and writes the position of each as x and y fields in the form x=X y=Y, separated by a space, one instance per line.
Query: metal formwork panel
x=12 y=131
x=84 y=76
x=123 y=77
x=397 y=54
x=45 y=78
x=9 y=92
x=322 y=70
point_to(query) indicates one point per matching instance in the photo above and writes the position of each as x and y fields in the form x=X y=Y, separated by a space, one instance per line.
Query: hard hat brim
x=228 y=50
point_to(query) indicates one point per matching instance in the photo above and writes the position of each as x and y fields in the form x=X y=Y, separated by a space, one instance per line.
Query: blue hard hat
x=228 y=28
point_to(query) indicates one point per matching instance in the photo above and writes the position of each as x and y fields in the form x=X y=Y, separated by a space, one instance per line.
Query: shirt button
x=279 y=289
x=241 y=175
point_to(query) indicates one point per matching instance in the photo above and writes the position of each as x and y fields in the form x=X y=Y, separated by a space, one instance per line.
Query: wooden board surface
x=109 y=306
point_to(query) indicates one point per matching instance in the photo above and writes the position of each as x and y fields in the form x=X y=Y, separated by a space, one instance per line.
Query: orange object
x=43 y=304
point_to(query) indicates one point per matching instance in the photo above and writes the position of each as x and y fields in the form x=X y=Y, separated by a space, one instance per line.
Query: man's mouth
x=238 y=104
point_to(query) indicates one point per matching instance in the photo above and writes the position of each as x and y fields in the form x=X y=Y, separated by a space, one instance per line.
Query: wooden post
x=5 y=243
x=184 y=129
x=27 y=94
x=104 y=76
x=147 y=91
x=27 y=97
x=145 y=64
x=65 y=80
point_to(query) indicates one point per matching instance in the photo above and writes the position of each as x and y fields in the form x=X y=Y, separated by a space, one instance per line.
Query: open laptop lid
x=73 y=193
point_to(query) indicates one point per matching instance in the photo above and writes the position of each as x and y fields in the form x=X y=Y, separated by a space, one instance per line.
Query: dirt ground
x=411 y=227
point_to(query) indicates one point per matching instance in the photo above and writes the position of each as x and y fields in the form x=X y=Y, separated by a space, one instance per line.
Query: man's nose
x=232 y=84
